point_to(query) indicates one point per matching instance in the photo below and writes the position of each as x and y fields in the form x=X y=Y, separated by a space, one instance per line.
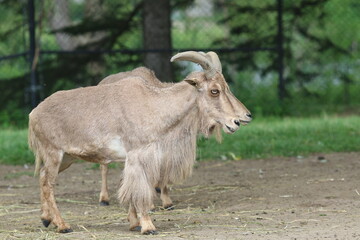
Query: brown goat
x=154 y=128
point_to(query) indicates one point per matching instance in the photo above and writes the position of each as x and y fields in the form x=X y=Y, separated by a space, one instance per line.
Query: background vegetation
x=79 y=42
x=320 y=41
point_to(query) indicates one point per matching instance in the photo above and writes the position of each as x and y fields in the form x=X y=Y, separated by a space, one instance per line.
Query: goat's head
x=216 y=101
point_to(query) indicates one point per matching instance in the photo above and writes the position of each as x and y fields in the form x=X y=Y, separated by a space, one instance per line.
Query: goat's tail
x=135 y=188
x=33 y=145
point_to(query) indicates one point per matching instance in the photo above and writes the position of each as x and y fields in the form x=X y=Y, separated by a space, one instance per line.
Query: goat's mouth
x=230 y=129
x=244 y=122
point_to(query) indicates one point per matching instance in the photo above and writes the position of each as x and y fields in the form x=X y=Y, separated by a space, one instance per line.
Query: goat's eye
x=215 y=92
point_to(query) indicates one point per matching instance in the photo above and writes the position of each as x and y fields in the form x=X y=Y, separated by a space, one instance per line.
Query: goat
x=150 y=77
x=154 y=128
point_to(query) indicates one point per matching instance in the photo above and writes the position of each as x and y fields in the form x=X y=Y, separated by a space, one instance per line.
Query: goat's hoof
x=137 y=229
x=66 y=230
x=158 y=190
x=150 y=232
x=104 y=203
x=45 y=222
x=169 y=207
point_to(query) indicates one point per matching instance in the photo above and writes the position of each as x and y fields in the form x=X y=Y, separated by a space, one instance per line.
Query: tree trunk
x=157 y=38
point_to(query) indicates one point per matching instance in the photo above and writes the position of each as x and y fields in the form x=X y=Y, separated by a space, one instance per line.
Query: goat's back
x=140 y=72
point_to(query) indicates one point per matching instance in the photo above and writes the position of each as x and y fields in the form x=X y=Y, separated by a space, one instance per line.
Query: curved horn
x=215 y=60
x=199 y=58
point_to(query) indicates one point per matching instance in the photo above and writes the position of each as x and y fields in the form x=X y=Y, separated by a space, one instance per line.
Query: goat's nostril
x=249 y=115
x=237 y=122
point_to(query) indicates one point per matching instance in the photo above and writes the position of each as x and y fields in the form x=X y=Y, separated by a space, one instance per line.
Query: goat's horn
x=199 y=58
x=215 y=60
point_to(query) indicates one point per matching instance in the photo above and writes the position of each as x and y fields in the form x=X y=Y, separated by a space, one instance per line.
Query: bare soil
x=315 y=197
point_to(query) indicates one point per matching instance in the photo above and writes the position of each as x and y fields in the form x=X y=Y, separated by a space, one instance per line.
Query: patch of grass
x=262 y=138
x=286 y=137
x=14 y=149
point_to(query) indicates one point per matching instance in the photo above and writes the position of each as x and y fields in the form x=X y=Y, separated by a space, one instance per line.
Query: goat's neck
x=173 y=112
x=170 y=152
x=181 y=110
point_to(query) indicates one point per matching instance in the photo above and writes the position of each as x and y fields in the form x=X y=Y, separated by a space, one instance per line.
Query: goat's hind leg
x=165 y=198
x=48 y=175
x=104 y=194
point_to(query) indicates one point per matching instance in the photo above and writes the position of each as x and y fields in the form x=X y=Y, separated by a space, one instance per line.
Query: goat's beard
x=215 y=130
x=209 y=127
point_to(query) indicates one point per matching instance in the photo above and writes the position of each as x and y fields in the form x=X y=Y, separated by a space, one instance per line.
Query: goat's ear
x=193 y=82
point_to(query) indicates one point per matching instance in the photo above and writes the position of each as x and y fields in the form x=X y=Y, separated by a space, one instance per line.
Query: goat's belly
x=109 y=151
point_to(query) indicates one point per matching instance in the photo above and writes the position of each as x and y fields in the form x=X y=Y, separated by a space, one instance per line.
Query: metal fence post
x=280 y=50
x=33 y=82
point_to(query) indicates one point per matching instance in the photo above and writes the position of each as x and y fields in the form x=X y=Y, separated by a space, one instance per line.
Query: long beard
x=216 y=131
x=213 y=130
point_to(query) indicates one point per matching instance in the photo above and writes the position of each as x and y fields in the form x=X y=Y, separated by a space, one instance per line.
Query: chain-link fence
x=271 y=50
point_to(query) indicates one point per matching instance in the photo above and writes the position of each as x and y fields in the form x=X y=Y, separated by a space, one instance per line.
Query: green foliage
x=260 y=96
x=320 y=50
x=13 y=116
x=198 y=32
x=344 y=29
x=12 y=20
x=12 y=40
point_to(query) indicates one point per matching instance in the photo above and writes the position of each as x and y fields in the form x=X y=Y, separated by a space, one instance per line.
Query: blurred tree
x=60 y=19
x=344 y=31
x=308 y=46
x=96 y=26
x=321 y=42
x=157 y=37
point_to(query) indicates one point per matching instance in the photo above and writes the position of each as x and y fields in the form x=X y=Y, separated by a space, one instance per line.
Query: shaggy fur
x=149 y=76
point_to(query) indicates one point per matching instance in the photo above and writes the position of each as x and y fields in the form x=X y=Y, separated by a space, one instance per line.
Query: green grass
x=262 y=138
x=286 y=137
x=13 y=147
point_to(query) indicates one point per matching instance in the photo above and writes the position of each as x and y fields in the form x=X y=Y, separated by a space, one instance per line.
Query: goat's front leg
x=147 y=227
x=145 y=224
x=136 y=190
x=133 y=219
x=104 y=194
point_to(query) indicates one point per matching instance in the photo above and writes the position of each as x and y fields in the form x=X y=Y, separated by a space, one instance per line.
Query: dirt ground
x=315 y=197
